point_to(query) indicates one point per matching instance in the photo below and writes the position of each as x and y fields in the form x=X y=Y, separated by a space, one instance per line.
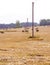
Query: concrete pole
x=32 y=19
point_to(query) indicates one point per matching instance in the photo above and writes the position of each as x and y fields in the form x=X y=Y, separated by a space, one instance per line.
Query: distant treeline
x=44 y=22
x=7 y=26
x=17 y=25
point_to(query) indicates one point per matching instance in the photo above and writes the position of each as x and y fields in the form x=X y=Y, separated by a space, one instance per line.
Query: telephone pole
x=32 y=19
x=27 y=23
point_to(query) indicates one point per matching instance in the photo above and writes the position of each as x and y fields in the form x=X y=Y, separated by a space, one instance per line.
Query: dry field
x=16 y=48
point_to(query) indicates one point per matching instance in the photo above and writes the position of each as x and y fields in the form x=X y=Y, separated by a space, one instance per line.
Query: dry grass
x=16 y=48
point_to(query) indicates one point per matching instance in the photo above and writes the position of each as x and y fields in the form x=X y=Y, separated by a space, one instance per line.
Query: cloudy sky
x=12 y=10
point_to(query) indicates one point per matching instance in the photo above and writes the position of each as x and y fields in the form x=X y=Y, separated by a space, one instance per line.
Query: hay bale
x=26 y=30
x=2 y=32
x=37 y=30
x=22 y=30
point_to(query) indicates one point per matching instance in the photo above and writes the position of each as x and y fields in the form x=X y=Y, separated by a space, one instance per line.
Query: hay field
x=16 y=48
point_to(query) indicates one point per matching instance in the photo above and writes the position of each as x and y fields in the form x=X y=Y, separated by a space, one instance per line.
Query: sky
x=13 y=10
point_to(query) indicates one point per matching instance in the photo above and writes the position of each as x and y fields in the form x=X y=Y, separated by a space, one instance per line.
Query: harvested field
x=16 y=48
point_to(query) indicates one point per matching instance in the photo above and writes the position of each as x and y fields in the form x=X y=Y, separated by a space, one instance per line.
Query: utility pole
x=32 y=19
x=27 y=22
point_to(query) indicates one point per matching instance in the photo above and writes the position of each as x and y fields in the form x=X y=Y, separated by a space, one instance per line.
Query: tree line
x=44 y=22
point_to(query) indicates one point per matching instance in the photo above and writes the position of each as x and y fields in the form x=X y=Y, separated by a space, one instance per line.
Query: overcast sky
x=12 y=10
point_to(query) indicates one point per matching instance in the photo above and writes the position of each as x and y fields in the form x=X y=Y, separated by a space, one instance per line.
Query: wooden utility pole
x=32 y=19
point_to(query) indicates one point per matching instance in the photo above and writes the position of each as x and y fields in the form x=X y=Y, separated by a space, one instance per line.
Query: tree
x=18 y=24
x=48 y=21
x=45 y=22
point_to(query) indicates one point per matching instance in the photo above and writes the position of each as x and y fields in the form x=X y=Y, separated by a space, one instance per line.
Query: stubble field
x=16 y=48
